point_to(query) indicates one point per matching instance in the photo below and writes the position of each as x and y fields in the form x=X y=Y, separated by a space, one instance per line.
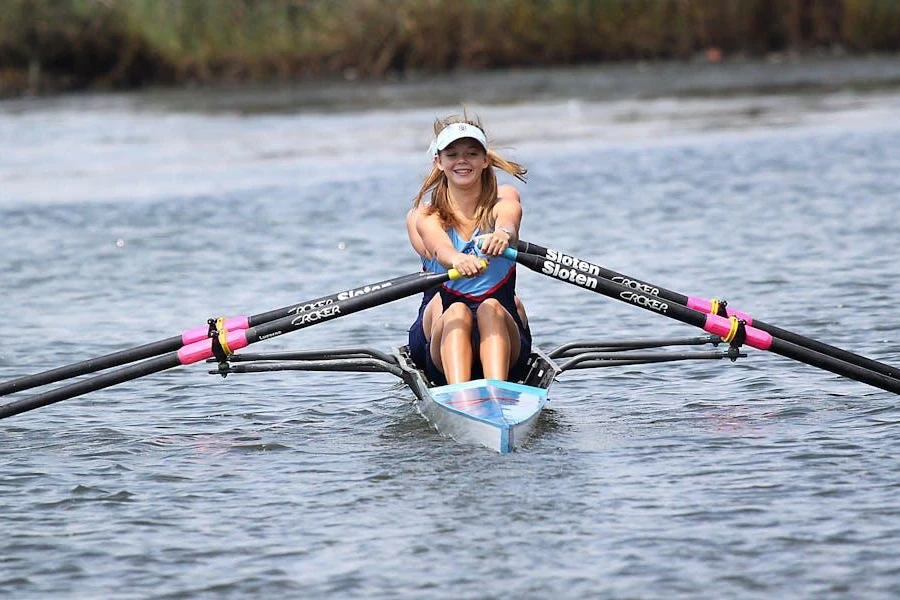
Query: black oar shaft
x=388 y=291
x=630 y=295
x=122 y=357
x=834 y=365
x=654 y=290
x=562 y=257
x=121 y=375
x=308 y=305
x=829 y=350
x=91 y=365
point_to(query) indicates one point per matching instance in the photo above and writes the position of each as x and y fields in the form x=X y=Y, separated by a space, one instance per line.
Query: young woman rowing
x=472 y=326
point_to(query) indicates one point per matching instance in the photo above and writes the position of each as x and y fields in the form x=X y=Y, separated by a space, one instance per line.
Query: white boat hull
x=500 y=415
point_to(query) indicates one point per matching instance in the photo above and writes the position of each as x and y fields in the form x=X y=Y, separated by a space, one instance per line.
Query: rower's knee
x=458 y=313
x=491 y=311
x=431 y=315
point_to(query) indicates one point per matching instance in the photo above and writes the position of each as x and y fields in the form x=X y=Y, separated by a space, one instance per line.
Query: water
x=126 y=219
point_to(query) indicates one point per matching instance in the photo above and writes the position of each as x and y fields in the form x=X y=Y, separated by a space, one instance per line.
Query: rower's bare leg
x=500 y=341
x=451 y=343
x=520 y=308
x=431 y=315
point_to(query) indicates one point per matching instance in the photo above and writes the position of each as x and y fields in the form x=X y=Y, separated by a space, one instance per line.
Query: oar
x=724 y=327
x=230 y=341
x=189 y=336
x=708 y=306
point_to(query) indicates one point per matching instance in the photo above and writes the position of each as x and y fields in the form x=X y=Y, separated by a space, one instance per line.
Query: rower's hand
x=468 y=265
x=493 y=244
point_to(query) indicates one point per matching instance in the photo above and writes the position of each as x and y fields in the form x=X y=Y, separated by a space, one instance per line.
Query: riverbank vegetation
x=57 y=45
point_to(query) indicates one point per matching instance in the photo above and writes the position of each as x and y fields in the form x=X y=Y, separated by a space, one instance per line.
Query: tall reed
x=122 y=43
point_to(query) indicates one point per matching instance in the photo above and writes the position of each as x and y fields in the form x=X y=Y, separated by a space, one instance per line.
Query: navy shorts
x=418 y=344
x=516 y=371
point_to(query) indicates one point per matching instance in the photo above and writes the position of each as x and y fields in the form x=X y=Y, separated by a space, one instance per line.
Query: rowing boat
x=499 y=415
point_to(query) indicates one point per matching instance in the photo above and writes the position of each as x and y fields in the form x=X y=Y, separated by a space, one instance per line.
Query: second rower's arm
x=438 y=245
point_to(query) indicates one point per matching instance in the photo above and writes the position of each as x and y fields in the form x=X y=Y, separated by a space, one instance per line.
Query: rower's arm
x=508 y=212
x=507 y=215
x=414 y=238
x=437 y=242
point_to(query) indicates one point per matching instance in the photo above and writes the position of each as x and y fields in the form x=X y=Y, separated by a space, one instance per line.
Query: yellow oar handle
x=454 y=274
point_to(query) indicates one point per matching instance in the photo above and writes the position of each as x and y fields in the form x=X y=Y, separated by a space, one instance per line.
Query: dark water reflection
x=124 y=222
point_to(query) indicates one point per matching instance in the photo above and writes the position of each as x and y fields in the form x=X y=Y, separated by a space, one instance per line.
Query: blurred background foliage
x=55 y=45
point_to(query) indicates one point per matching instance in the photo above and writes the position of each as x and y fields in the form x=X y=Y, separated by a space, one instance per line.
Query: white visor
x=456 y=131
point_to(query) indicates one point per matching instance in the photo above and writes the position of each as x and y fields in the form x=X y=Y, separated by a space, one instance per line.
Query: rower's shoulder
x=423 y=217
x=417 y=213
x=508 y=192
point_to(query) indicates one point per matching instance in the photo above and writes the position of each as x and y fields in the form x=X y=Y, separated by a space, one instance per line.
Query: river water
x=128 y=218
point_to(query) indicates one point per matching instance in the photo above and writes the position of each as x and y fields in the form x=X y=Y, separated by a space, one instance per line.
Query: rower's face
x=463 y=161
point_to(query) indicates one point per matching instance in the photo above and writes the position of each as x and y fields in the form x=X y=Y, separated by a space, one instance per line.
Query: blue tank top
x=497 y=281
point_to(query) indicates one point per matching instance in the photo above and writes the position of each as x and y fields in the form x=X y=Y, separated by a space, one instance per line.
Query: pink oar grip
x=195 y=334
x=201 y=350
x=720 y=326
x=705 y=306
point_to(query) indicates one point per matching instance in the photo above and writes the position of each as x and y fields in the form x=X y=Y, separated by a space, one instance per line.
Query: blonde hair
x=436 y=181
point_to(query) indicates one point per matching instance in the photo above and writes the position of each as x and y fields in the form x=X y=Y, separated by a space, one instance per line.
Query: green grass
x=66 y=44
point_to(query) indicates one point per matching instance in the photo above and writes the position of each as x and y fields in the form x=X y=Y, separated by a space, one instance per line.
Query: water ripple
x=763 y=477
